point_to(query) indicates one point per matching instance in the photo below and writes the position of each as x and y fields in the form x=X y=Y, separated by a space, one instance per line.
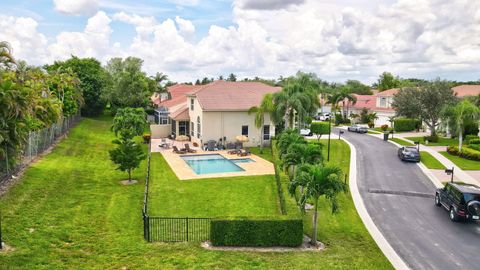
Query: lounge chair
x=212 y=145
x=175 y=150
x=244 y=153
x=235 y=151
x=188 y=149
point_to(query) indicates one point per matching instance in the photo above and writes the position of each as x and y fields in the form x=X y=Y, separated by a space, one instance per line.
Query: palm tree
x=266 y=107
x=302 y=153
x=287 y=138
x=159 y=78
x=458 y=116
x=6 y=57
x=391 y=119
x=344 y=95
x=318 y=181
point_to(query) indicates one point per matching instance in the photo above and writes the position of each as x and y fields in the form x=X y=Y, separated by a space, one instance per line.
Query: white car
x=305 y=132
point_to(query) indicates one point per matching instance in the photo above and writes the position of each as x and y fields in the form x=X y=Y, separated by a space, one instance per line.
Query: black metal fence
x=176 y=229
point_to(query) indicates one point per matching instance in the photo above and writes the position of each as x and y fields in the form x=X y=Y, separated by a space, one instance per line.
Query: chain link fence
x=36 y=144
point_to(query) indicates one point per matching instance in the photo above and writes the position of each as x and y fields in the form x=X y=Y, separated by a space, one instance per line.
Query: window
x=182 y=128
x=191 y=104
x=383 y=102
x=266 y=132
x=192 y=131
x=198 y=127
x=163 y=118
x=245 y=130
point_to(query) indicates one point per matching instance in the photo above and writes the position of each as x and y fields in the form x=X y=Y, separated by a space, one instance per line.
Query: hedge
x=406 y=124
x=474 y=141
x=465 y=153
x=468 y=138
x=257 y=232
x=320 y=128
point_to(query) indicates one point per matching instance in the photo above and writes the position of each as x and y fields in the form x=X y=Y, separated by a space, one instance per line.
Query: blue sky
x=188 y=39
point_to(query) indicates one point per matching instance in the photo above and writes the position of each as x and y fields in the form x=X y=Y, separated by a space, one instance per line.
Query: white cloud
x=267 y=4
x=76 y=7
x=185 y=27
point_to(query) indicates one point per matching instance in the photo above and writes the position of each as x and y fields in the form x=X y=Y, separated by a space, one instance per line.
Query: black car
x=357 y=128
x=409 y=153
x=461 y=200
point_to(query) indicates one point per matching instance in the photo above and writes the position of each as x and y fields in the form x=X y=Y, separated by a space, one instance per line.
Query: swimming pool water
x=204 y=164
x=242 y=160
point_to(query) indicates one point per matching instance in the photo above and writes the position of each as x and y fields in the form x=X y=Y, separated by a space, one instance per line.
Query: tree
x=127 y=155
x=302 y=153
x=130 y=121
x=6 y=57
x=232 y=77
x=425 y=102
x=287 y=138
x=266 y=107
x=318 y=181
x=320 y=128
x=388 y=81
x=92 y=81
x=65 y=85
x=459 y=116
x=345 y=96
x=128 y=85
x=356 y=87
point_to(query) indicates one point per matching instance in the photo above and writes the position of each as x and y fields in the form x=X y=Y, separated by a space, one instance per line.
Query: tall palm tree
x=6 y=56
x=287 y=138
x=302 y=153
x=318 y=181
x=345 y=96
x=159 y=79
x=265 y=107
x=460 y=115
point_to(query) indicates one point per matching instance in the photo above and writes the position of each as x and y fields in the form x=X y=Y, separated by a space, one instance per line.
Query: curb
x=377 y=236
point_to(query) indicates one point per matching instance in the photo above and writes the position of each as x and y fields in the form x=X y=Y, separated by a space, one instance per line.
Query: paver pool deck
x=183 y=171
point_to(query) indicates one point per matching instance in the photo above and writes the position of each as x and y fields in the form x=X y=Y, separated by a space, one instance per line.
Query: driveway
x=421 y=233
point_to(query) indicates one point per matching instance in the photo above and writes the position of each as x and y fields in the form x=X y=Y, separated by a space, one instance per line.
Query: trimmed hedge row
x=406 y=124
x=257 y=232
x=474 y=141
x=474 y=146
x=465 y=153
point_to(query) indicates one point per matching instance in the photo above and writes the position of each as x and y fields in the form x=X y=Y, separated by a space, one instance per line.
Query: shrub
x=371 y=124
x=474 y=146
x=320 y=128
x=150 y=111
x=384 y=127
x=258 y=232
x=468 y=138
x=471 y=129
x=406 y=124
x=474 y=141
x=433 y=138
x=465 y=153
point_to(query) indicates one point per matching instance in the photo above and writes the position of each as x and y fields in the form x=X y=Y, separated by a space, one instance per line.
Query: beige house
x=216 y=111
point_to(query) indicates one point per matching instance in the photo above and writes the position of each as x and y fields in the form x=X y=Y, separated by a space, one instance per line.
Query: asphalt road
x=420 y=232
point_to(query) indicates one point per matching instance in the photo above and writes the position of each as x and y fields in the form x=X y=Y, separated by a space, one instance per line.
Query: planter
x=146 y=138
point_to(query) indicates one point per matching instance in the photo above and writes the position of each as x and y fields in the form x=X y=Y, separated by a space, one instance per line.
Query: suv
x=409 y=153
x=461 y=200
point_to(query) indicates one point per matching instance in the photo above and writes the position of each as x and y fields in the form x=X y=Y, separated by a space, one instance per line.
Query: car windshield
x=411 y=150
x=470 y=196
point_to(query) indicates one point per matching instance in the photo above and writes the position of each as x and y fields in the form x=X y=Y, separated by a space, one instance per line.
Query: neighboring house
x=467 y=90
x=215 y=111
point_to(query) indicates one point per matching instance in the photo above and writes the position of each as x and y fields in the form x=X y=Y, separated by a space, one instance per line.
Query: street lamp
x=418 y=145
x=329 y=132
x=450 y=172
x=340 y=133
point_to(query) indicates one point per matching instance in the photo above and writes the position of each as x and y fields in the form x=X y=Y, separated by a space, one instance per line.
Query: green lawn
x=401 y=142
x=70 y=212
x=430 y=162
x=441 y=142
x=267 y=152
x=373 y=132
x=462 y=163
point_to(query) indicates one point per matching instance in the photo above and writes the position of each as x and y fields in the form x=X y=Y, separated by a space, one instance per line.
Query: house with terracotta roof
x=216 y=111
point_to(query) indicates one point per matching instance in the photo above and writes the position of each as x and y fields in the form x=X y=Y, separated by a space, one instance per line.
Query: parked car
x=461 y=200
x=357 y=128
x=409 y=153
x=306 y=132
x=323 y=117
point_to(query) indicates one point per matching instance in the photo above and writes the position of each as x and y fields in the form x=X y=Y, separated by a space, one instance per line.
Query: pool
x=242 y=160
x=214 y=163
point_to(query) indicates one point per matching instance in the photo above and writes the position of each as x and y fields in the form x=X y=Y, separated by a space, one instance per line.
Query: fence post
x=187 y=229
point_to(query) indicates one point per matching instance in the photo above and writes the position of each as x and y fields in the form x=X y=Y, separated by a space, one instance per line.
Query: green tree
x=127 y=155
x=65 y=85
x=6 y=57
x=356 y=87
x=302 y=153
x=129 y=121
x=318 y=181
x=92 y=81
x=425 y=102
x=232 y=77
x=461 y=115
x=287 y=138
x=344 y=96
x=388 y=81
x=128 y=85
x=266 y=107
x=320 y=128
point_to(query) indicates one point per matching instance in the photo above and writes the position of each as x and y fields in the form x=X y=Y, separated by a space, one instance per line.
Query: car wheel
x=437 y=200
x=453 y=215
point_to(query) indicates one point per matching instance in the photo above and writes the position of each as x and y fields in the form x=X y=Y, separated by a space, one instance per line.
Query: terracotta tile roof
x=178 y=94
x=388 y=93
x=180 y=114
x=365 y=101
x=467 y=90
x=232 y=96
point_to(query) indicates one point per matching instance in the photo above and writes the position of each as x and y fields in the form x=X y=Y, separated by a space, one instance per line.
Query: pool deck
x=185 y=172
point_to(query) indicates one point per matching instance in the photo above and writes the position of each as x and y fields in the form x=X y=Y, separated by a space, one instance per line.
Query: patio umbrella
x=241 y=138
x=182 y=138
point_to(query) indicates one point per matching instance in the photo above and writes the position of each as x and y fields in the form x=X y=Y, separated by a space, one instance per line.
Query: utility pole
x=329 y=132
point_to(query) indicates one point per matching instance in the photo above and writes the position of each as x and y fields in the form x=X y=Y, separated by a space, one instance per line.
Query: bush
x=471 y=129
x=474 y=141
x=465 y=153
x=320 y=128
x=406 y=124
x=371 y=124
x=474 y=146
x=258 y=232
x=433 y=138
x=150 y=111
x=468 y=138
x=384 y=127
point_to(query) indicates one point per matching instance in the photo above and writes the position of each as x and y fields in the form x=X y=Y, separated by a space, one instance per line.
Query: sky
x=190 y=39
